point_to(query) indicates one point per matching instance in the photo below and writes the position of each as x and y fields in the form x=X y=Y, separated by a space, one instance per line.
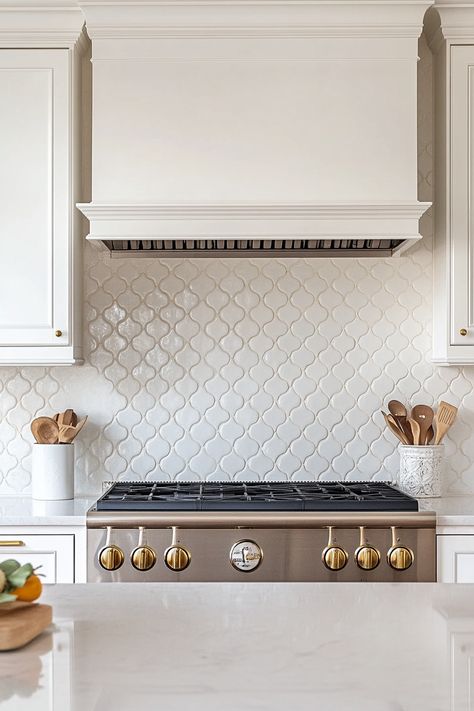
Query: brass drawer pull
x=463 y=332
x=58 y=333
x=12 y=543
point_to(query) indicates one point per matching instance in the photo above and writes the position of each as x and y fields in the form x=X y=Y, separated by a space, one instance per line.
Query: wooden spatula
x=399 y=413
x=415 y=428
x=424 y=415
x=444 y=418
x=392 y=425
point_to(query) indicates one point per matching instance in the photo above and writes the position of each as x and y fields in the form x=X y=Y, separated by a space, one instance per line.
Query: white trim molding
x=32 y=23
x=234 y=220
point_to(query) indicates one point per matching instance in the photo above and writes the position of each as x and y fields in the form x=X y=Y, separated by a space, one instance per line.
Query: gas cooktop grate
x=255 y=496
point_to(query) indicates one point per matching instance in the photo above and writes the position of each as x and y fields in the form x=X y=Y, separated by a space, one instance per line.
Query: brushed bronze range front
x=323 y=553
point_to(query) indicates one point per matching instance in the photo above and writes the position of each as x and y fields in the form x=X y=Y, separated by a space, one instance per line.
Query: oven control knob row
x=367 y=557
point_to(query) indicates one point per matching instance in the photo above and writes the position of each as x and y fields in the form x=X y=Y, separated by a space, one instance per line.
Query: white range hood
x=264 y=127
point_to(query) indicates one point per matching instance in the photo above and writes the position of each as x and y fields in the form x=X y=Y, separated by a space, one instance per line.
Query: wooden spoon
x=399 y=413
x=424 y=416
x=429 y=435
x=444 y=419
x=68 y=433
x=392 y=425
x=45 y=430
x=415 y=428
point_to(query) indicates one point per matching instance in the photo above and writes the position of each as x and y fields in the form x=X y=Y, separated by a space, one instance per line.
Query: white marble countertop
x=233 y=647
x=24 y=511
x=450 y=510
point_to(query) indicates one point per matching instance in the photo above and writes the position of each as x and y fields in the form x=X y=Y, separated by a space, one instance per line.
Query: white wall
x=245 y=368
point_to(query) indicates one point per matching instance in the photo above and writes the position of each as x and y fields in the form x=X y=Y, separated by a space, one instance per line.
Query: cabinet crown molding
x=257 y=18
x=449 y=21
x=31 y=24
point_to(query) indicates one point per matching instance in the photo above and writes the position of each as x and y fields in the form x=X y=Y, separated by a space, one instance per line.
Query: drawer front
x=55 y=554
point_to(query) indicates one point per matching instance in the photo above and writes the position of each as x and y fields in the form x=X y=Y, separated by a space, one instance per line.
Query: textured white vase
x=421 y=470
x=52 y=472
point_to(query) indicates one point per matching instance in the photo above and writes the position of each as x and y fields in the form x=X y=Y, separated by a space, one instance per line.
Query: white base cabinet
x=61 y=552
x=455 y=558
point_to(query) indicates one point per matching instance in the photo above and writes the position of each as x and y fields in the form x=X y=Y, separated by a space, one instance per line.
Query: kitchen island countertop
x=233 y=647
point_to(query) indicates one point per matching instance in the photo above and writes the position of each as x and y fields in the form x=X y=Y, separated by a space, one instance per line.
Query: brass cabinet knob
x=111 y=557
x=463 y=331
x=177 y=558
x=399 y=557
x=58 y=333
x=366 y=556
x=334 y=557
x=143 y=558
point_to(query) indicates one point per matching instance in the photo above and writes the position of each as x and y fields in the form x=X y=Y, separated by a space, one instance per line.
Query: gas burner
x=255 y=496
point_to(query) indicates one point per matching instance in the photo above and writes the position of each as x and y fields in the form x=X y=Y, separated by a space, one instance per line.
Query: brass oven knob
x=177 y=558
x=143 y=558
x=366 y=556
x=334 y=557
x=399 y=557
x=111 y=557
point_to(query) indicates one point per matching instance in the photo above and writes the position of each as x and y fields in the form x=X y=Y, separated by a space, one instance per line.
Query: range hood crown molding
x=234 y=114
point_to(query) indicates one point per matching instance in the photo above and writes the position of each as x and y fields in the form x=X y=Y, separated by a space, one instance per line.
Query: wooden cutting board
x=20 y=622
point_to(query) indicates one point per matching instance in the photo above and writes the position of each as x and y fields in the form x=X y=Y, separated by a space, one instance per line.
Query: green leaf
x=5 y=597
x=19 y=577
x=9 y=566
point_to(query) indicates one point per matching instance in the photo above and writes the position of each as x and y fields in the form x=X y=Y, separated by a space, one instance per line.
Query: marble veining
x=247 y=369
x=239 y=647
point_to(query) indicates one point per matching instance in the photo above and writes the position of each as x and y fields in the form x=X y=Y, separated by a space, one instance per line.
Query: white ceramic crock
x=52 y=472
x=421 y=470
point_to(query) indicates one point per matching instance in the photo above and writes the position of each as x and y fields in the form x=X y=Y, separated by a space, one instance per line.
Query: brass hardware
x=143 y=557
x=111 y=557
x=8 y=544
x=334 y=557
x=176 y=557
x=399 y=557
x=58 y=333
x=463 y=331
x=366 y=556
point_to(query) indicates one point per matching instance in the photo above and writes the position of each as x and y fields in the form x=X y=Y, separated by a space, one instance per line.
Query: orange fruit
x=30 y=591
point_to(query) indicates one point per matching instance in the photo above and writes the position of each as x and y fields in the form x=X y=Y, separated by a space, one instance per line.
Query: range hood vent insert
x=254 y=248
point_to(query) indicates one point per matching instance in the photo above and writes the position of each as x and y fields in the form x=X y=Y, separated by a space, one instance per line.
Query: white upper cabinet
x=40 y=295
x=451 y=31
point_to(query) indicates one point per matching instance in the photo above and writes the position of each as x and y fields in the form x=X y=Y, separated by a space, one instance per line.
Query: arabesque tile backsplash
x=246 y=368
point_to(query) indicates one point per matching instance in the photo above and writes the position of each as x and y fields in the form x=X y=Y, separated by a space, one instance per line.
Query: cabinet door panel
x=34 y=199
x=455 y=559
x=462 y=195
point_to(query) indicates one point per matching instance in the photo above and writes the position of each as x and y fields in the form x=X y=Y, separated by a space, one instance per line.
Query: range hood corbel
x=276 y=127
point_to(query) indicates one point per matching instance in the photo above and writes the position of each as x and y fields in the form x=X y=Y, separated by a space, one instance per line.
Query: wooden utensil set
x=422 y=426
x=60 y=429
